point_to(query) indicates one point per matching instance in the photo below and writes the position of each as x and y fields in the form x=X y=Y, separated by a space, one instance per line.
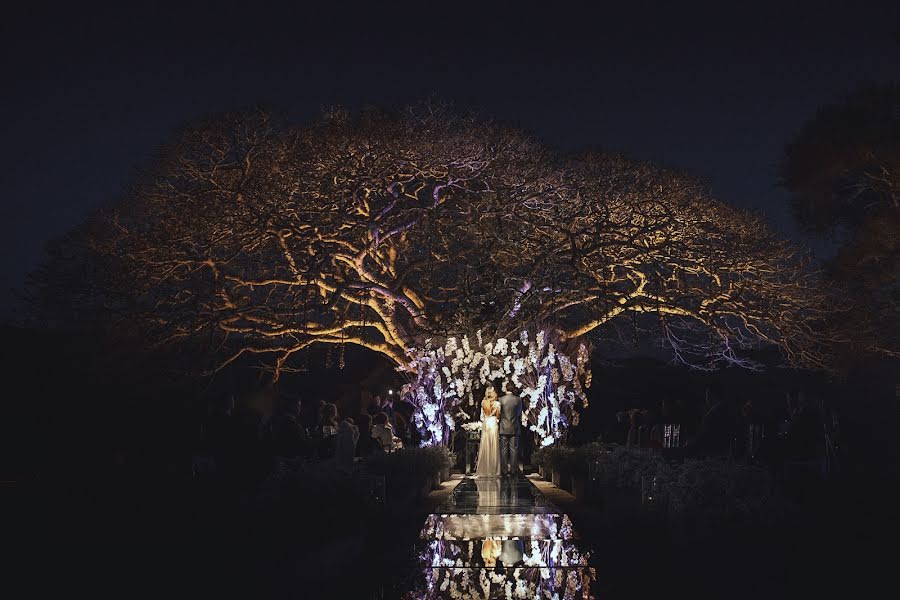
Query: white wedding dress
x=489 y=449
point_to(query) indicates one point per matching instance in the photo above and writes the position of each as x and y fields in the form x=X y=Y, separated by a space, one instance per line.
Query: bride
x=489 y=449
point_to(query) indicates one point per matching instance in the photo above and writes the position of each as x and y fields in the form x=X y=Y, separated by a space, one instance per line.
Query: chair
x=671 y=435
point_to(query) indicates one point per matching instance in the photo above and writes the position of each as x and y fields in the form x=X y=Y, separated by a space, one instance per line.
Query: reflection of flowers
x=466 y=556
x=520 y=583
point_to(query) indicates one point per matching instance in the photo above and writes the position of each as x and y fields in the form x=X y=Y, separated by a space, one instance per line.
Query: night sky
x=90 y=94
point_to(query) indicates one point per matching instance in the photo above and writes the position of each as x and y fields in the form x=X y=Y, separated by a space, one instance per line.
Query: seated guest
x=375 y=405
x=402 y=428
x=312 y=414
x=328 y=420
x=347 y=436
x=634 y=430
x=219 y=432
x=714 y=435
x=387 y=406
x=286 y=434
x=407 y=411
x=383 y=433
x=805 y=438
x=618 y=432
x=366 y=444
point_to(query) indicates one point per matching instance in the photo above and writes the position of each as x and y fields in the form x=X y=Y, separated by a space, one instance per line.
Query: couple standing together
x=501 y=418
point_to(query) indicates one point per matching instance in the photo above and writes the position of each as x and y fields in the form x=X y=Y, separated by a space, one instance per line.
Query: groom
x=510 y=420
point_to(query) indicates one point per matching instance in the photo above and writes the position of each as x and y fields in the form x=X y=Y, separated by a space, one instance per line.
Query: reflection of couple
x=506 y=552
x=501 y=417
x=496 y=491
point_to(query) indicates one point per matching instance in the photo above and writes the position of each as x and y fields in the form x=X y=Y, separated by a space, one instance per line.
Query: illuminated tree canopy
x=383 y=230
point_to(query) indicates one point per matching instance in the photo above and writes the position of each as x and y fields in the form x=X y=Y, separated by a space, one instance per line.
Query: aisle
x=500 y=538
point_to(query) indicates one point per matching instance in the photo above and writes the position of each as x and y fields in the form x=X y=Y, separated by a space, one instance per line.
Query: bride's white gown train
x=489 y=449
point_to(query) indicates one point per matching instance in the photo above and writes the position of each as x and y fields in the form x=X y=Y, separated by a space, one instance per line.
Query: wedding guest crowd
x=240 y=443
x=782 y=433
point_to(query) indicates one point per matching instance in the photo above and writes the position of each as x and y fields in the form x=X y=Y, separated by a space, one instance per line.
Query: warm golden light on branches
x=384 y=230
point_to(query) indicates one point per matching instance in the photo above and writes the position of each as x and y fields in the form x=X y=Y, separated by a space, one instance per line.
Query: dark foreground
x=136 y=539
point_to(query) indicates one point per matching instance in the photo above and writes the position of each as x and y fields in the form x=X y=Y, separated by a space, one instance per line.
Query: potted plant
x=444 y=460
x=578 y=487
x=437 y=462
x=411 y=470
x=450 y=466
x=562 y=460
x=584 y=456
x=539 y=460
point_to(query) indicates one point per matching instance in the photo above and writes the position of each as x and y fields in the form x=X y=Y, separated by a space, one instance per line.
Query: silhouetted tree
x=843 y=169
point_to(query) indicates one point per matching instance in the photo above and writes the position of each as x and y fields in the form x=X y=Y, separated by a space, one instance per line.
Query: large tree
x=843 y=169
x=261 y=238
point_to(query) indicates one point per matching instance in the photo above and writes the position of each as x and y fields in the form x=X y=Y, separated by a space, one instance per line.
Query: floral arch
x=551 y=375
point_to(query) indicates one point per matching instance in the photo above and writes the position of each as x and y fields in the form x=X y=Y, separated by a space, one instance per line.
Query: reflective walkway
x=500 y=538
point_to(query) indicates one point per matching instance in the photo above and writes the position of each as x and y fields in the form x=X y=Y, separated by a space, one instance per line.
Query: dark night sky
x=90 y=94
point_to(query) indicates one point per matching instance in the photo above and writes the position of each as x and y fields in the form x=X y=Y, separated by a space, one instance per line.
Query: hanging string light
x=305 y=353
x=634 y=329
x=341 y=352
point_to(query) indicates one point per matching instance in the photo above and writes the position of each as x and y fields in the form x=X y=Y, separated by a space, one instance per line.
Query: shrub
x=626 y=466
x=704 y=493
x=292 y=493
x=710 y=492
x=540 y=457
x=585 y=455
x=561 y=458
x=416 y=464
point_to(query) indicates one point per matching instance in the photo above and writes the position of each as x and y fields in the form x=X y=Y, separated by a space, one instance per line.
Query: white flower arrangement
x=550 y=373
x=472 y=426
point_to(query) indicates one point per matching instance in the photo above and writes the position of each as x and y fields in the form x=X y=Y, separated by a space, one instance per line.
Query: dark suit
x=512 y=552
x=509 y=425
